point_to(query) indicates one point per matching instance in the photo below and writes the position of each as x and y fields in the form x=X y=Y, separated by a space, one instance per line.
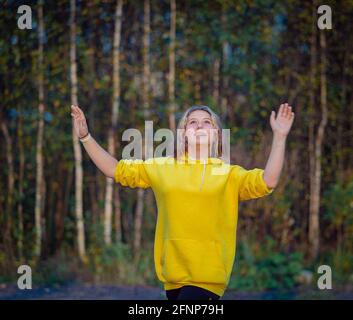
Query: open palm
x=79 y=119
x=284 y=120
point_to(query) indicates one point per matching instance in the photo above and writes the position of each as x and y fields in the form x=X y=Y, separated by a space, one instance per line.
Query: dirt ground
x=120 y=292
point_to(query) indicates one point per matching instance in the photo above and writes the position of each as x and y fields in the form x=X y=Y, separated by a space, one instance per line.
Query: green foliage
x=57 y=270
x=270 y=269
x=115 y=263
x=109 y=263
x=338 y=205
x=341 y=263
x=145 y=266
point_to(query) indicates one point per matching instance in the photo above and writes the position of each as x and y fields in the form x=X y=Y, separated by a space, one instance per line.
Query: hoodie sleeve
x=131 y=173
x=252 y=184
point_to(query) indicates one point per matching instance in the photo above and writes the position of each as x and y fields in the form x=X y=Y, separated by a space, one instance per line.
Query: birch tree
x=39 y=202
x=316 y=138
x=76 y=144
x=145 y=102
x=171 y=75
x=108 y=204
x=10 y=189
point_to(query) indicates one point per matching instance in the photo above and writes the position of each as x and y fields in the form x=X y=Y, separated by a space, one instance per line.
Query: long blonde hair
x=216 y=148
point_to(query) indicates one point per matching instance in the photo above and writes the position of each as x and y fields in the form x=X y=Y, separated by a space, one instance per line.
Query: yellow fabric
x=195 y=233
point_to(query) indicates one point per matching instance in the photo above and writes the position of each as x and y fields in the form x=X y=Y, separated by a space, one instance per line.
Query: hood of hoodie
x=187 y=159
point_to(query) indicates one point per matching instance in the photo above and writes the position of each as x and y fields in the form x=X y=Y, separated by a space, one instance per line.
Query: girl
x=195 y=237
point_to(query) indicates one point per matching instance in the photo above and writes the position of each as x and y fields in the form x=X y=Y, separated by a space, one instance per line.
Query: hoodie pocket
x=192 y=260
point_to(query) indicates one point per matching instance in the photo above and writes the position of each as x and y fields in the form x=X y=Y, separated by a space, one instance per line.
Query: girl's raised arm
x=101 y=158
x=281 y=126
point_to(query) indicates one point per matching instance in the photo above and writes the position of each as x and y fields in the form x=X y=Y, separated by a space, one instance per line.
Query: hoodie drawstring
x=203 y=174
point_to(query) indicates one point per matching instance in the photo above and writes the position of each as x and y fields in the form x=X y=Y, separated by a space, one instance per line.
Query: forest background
x=124 y=62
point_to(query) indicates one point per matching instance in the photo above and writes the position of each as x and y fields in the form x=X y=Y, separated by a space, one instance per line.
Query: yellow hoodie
x=195 y=237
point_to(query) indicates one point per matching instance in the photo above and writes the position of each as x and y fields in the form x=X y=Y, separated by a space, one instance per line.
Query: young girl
x=195 y=237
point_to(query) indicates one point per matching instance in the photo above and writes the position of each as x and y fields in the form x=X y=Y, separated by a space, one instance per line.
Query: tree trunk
x=313 y=71
x=126 y=232
x=225 y=62
x=341 y=116
x=108 y=204
x=314 y=227
x=94 y=199
x=39 y=148
x=20 y=186
x=92 y=94
x=215 y=91
x=76 y=145
x=171 y=76
x=138 y=221
x=147 y=75
x=117 y=216
x=146 y=58
x=60 y=209
x=145 y=101
x=10 y=192
x=61 y=223
x=92 y=65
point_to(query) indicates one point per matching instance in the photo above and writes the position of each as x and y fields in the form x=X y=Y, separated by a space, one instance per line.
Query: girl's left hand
x=284 y=120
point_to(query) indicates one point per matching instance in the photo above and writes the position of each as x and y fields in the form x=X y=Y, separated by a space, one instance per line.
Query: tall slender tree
x=76 y=144
x=145 y=102
x=21 y=153
x=317 y=139
x=171 y=75
x=225 y=66
x=10 y=190
x=108 y=207
x=39 y=203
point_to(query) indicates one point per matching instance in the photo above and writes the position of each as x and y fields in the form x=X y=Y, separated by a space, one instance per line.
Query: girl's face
x=199 y=127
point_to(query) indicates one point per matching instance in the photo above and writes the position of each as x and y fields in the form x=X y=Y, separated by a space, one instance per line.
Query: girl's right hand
x=80 y=123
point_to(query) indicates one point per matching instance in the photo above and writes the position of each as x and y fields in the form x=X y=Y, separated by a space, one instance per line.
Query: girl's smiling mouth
x=200 y=133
